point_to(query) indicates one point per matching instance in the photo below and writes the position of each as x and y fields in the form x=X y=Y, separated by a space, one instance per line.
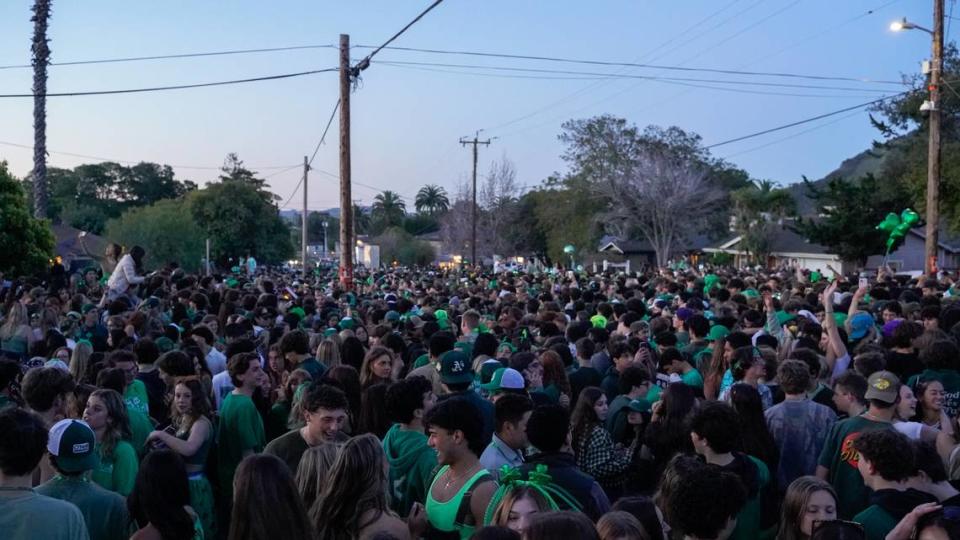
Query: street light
x=932 y=109
x=904 y=24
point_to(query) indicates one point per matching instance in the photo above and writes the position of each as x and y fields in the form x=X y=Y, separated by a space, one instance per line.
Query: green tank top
x=444 y=516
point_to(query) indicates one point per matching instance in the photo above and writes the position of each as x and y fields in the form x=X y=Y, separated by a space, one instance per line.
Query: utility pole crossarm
x=473 y=207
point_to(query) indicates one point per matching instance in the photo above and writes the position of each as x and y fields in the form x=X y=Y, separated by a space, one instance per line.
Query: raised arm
x=836 y=348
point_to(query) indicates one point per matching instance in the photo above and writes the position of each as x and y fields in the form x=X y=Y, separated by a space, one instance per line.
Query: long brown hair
x=356 y=485
x=554 y=371
x=119 y=423
x=795 y=504
x=584 y=418
x=199 y=405
x=502 y=513
x=367 y=377
x=266 y=504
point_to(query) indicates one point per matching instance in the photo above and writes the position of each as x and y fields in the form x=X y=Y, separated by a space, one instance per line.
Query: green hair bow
x=538 y=479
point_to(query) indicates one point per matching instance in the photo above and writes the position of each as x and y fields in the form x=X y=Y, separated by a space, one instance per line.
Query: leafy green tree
x=904 y=131
x=315 y=229
x=397 y=245
x=165 y=230
x=234 y=170
x=239 y=220
x=417 y=224
x=566 y=213
x=849 y=212
x=388 y=210
x=26 y=243
x=432 y=199
x=660 y=183
x=362 y=221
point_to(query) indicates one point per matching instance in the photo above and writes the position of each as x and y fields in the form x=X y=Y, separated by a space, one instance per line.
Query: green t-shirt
x=240 y=430
x=140 y=428
x=277 y=420
x=841 y=459
x=692 y=378
x=119 y=471
x=27 y=515
x=313 y=367
x=104 y=512
x=135 y=396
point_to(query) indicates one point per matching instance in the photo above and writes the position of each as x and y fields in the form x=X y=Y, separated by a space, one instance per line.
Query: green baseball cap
x=639 y=405
x=504 y=379
x=74 y=445
x=454 y=367
x=718 y=331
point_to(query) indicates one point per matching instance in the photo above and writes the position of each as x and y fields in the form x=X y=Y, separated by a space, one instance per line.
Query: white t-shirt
x=216 y=361
x=222 y=385
x=910 y=429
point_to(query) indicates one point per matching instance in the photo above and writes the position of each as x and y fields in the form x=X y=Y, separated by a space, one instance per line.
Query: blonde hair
x=328 y=353
x=502 y=514
x=795 y=504
x=16 y=317
x=80 y=360
x=314 y=467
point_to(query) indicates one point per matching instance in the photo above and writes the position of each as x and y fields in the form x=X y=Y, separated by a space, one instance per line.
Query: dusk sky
x=407 y=119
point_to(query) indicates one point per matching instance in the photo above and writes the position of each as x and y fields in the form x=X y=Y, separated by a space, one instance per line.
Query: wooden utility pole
x=303 y=220
x=933 y=149
x=473 y=207
x=346 y=204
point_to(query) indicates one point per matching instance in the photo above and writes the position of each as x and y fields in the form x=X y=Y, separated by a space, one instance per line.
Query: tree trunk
x=41 y=57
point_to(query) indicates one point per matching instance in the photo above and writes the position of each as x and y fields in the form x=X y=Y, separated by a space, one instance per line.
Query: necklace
x=451 y=478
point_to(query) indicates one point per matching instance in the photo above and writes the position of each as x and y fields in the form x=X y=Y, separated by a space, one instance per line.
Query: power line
x=630 y=76
x=324 y=136
x=793 y=136
x=638 y=65
x=805 y=121
x=173 y=56
x=365 y=63
x=128 y=162
x=176 y=87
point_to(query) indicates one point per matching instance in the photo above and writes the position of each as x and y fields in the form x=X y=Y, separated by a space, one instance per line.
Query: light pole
x=325 y=225
x=932 y=106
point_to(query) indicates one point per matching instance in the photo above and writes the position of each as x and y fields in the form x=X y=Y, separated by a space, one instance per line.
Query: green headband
x=537 y=479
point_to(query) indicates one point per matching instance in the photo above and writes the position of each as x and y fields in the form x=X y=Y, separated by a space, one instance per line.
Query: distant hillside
x=859 y=165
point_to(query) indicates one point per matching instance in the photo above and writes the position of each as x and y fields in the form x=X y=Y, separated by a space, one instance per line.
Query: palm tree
x=41 y=57
x=361 y=220
x=432 y=199
x=388 y=209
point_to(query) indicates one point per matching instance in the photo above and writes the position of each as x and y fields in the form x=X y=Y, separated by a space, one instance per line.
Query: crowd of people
x=694 y=403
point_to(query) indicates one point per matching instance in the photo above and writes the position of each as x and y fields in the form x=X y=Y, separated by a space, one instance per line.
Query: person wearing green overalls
x=461 y=491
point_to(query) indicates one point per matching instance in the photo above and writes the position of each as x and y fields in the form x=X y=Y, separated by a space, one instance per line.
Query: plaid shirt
x=601 y=459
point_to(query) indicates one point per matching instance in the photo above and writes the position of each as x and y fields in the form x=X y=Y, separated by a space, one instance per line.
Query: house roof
x=634 y=246
x=68 y=243
x=785 y=240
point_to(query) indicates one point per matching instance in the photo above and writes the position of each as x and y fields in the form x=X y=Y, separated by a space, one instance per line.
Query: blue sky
x=407 y=120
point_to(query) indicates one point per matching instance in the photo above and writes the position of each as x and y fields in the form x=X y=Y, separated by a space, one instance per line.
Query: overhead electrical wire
x=173 y=56
x=323 y=138
x=632 y=76
x=174 y=87
x=363 y=64
x=805 y=121
x=128 y=162
x=638 y=65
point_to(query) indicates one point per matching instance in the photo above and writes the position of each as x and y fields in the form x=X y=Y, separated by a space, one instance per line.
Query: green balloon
x=568 y=249
x=909 y=218
x=889 y=223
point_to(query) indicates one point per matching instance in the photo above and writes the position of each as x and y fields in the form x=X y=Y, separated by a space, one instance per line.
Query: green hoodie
x=412 y=465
